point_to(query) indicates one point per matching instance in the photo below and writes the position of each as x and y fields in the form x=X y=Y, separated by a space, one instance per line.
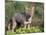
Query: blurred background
x=37 y=24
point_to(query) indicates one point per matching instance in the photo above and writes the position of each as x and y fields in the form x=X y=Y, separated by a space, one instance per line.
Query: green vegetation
x=31 y=30
x=23 y=30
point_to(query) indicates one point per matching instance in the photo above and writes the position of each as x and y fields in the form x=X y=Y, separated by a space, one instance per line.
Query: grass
x=23 y=31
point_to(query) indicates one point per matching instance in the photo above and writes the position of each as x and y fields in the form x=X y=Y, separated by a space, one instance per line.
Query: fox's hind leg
x=14 y=26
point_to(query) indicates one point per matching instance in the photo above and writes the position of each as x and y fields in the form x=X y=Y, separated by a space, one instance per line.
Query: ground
x=24 y=31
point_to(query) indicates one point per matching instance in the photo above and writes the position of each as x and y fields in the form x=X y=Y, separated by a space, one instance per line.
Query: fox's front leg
x=25 y=24
x=28 y=26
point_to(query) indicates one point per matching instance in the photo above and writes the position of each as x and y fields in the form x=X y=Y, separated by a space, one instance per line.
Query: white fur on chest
x=29 y=21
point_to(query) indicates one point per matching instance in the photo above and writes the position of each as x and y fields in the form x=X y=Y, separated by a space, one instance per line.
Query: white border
x=2 y=17
x=31 y=0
